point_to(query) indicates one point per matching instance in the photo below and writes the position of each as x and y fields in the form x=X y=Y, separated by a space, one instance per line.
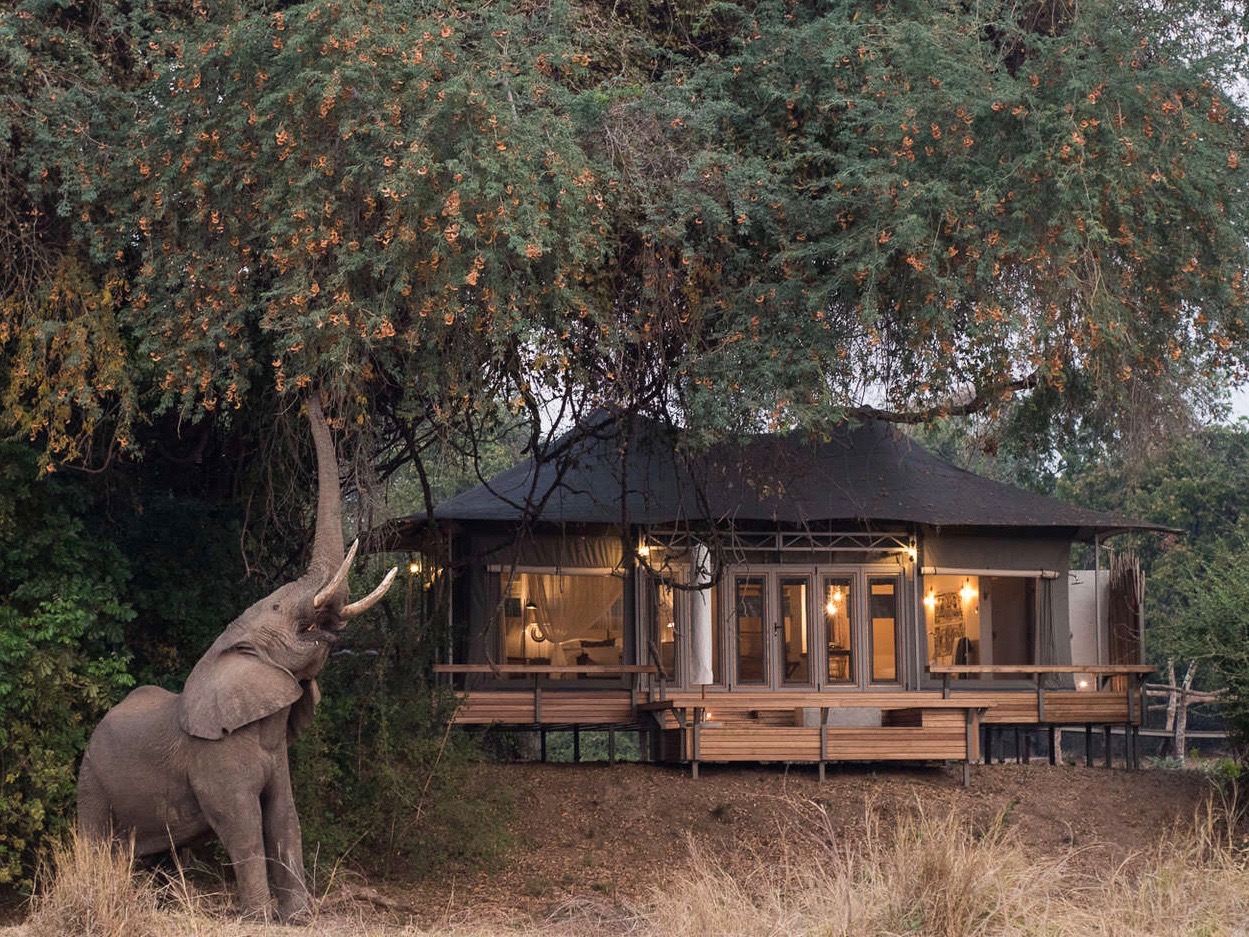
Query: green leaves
x=753 y=214
x=923 y=199
x=62 y=662
x=348 y=189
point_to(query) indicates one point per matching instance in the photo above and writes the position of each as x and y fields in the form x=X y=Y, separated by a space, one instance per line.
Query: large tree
x=745 y=214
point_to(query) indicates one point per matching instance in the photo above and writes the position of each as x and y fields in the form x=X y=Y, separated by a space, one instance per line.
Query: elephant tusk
x=330 y=589
x=366 y=603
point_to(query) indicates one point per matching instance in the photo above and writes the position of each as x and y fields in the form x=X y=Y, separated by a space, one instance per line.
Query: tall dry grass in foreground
x=88 y=888
x=940 y=876
x=918 y=875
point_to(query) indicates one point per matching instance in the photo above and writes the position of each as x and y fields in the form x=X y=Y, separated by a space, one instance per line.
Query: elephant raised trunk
x=169 y=768
x=327 y=540
x=328 y=563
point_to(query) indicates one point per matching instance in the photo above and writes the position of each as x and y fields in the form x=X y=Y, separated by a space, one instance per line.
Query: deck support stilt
x=542 y=735
x=576 y=744
x=1109 y=740
x=611 y=746
x=1053 y=745
x=1088 y=745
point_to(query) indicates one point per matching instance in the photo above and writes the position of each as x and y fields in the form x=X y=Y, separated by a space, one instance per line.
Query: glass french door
x=826 y=627
x=772 y=629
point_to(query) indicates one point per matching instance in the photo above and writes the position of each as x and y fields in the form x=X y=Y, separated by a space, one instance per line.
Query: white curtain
x=570 y=608
x=700 y=618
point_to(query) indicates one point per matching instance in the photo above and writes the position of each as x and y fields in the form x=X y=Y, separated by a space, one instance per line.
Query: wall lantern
x=968 y=592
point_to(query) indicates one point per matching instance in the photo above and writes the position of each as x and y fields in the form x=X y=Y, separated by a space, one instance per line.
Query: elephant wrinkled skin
x=171 y=768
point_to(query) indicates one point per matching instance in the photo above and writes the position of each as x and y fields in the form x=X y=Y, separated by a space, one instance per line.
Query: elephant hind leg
x=95 y=816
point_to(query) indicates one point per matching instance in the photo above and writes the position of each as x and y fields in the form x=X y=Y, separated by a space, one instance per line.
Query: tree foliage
x=743 y=214
x=933 y=205
x=1214 y=627
x=1193 y=484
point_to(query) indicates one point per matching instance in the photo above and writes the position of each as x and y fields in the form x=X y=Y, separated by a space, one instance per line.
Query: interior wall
x=1009 y=643
x=1088 y=635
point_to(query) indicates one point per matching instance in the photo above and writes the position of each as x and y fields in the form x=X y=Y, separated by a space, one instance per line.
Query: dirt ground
x=603 y=838
x=594 y=832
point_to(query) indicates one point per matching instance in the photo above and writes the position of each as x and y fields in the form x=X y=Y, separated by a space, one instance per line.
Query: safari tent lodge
x=784 y=600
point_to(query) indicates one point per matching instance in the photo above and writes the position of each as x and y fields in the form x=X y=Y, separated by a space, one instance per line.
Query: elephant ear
x=231 y=690
x=302 y=710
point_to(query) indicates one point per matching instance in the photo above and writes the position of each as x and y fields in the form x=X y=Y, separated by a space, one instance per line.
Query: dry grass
x=920 y=875
x=941 y=876
x=87 y=888
x=913 y=874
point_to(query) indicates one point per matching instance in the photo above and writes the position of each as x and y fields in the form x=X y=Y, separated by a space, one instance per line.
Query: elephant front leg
x=236 y=819
x=284 y=846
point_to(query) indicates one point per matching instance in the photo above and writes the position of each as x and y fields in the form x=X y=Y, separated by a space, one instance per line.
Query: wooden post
x=576 y=744
x=1169 y=725
x=699 y=715
x=1181 y=713
x=1088 y=745
x=611 y=746
x=823 y=739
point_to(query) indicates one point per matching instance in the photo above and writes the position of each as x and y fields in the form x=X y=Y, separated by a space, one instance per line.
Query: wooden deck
x=806 y=726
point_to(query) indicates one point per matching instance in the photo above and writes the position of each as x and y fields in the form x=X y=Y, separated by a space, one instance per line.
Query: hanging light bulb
x=930 y=600
x=968 y=592
x=834 y=600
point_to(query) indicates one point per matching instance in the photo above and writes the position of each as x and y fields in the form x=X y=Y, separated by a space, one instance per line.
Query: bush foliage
x=378 y=777
x=63 y=660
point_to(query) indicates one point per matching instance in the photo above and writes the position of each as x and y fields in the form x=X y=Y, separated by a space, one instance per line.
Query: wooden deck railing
x=558 y=670
x=1134 y=675
x=563 y=704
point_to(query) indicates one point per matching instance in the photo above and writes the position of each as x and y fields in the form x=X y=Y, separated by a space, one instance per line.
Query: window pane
x=837 y=604
x=883 y=615
x=562 y=619
x=749 y=618
x=795 y=630
x=663 y=631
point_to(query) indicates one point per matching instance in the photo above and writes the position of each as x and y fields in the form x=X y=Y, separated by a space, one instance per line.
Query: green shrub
x=62 y=660
x=1215 y=628
x=379 y=779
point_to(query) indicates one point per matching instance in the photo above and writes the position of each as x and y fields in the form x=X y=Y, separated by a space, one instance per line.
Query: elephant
x=168 y=769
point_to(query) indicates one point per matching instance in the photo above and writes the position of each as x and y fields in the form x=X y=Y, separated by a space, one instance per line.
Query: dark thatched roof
x=866 y=475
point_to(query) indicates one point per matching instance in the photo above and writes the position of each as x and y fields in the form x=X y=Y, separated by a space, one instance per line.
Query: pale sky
x=1240 y=401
